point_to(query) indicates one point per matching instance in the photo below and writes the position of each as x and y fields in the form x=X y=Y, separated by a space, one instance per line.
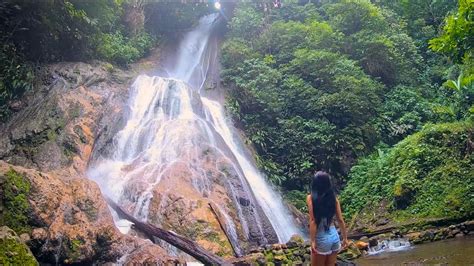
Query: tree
x=457 y=39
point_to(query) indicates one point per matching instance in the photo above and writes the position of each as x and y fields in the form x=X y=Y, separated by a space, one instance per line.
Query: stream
x=456 y=251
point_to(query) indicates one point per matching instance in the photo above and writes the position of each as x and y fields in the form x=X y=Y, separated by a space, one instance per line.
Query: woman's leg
x=331 y=259
x=318 y=259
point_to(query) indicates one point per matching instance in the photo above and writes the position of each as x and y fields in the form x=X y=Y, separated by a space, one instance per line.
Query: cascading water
x=389 y=246
x=171 y=126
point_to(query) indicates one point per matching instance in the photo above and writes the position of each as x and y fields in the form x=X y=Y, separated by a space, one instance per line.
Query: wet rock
x=362 y=245
x=352 y=252
x=260 y=258
x=25 y=238
x=469 y=225
x=415 y=237
x=382 y=221
x=428 y=235
x=244 y=202
x=278 y=252
x=279 y=258
x=364 y=239
x=256 y=250
x=295 y=241
x=373 y=242
x=41 y=134
x=150 y=254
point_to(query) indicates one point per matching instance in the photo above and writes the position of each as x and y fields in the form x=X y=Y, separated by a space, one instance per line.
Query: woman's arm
x=340 y=222
x=312 y=222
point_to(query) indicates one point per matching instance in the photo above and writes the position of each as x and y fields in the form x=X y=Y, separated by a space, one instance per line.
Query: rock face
x=68 y=121
x=58 y=127
x=48 y=144
x=169 y=164
x=71 y=223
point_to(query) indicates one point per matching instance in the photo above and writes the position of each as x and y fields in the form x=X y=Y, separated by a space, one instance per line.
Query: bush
x=122 y=50
x=428 y=174
x=16 y=77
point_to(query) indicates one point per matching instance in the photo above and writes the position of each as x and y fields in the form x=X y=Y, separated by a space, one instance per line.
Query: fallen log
x=189 y=246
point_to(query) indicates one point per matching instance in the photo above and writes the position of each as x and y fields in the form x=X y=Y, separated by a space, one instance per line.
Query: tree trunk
x=184 y=244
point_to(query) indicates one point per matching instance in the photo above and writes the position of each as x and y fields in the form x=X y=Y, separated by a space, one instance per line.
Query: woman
x=323 y=209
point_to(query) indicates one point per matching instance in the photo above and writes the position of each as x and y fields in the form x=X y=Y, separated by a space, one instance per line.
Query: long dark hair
x=323 y=199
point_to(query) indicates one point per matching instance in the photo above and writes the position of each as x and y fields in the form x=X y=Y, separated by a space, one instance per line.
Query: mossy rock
x=16 y=189
x=13 y=251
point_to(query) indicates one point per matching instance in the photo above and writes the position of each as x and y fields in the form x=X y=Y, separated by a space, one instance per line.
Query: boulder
x=295 y=240
x=71 y=223
x=350 y=253
x=469 y=225
x=373 y=242
x=362 y=245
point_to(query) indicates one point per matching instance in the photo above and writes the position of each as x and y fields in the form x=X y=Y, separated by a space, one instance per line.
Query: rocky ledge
x=429 y=234
x=297 y=251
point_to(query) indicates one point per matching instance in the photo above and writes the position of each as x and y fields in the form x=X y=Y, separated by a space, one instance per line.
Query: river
x=456 y=251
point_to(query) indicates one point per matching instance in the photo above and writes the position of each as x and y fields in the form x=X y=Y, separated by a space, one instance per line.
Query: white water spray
x=169 y=124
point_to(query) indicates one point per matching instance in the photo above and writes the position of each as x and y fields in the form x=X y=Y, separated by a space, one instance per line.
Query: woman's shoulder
x=308 y=198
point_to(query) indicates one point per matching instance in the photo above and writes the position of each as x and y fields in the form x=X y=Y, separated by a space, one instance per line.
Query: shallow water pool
x=456 y=251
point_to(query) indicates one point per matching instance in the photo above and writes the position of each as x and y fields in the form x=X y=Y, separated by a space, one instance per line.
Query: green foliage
x=15 y=200
x=458 y=99
x=377 y=40
x=15 y=79
x=69 y=30
x=457 y=39
x=282 y=39
x=22 y=256
x=59 y=30
x=429 y=174
x=423 y=17
x=322 y=88
x=74 y=249
x=246 y=23
x=404 y=112
x=122 y=50
x=298 y=199
x=236 y=51
x=352 y=16
x=293 y=12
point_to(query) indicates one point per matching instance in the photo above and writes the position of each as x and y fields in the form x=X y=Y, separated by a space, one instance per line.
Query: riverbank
x=298 y=252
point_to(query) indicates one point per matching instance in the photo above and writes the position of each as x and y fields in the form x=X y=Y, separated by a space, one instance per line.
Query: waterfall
x=171 y=126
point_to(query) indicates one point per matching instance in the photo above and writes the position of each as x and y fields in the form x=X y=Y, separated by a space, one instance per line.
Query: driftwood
x=190 y=247
x=225 y=227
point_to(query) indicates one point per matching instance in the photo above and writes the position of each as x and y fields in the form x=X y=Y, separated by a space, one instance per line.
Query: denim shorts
x=327 y=242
